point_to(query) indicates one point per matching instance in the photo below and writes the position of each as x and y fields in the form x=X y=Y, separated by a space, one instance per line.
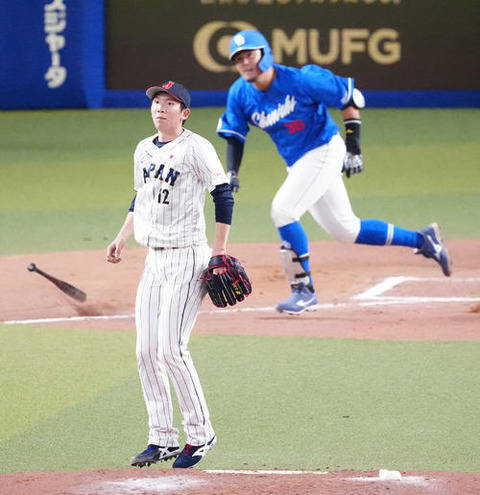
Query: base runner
x=290 y=104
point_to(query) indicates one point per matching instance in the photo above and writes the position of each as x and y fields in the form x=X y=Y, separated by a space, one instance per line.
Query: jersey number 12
x=163 y=197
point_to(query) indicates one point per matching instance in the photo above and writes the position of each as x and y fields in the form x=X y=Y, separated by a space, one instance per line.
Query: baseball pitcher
x=172 y=170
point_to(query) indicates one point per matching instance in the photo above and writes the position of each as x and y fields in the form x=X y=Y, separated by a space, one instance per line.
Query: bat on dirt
x=65 y=287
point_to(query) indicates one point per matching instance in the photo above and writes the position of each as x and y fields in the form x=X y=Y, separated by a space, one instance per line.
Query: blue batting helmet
x=252 y=40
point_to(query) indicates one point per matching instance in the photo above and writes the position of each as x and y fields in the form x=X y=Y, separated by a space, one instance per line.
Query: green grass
x=66 y=176
x=72 y=398
x=74 y=402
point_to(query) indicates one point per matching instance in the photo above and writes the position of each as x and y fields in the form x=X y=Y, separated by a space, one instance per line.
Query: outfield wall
x=94 y=53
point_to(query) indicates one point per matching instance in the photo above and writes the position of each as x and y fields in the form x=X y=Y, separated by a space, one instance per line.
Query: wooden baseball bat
x=65 y=287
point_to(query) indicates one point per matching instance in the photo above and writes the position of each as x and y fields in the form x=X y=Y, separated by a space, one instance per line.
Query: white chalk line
x=391 y=282
x=40 y=321
x=373 y=296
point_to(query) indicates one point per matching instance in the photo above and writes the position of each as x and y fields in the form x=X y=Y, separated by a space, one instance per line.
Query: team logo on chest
x=264 y=120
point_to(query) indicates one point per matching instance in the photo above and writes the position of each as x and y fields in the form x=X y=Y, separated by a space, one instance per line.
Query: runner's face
x=247 y=64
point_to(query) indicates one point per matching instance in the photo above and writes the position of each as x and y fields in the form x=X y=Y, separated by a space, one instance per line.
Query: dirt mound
x=152 y=481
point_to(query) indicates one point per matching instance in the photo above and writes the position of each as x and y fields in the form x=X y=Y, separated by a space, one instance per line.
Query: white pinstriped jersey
x=170 y=183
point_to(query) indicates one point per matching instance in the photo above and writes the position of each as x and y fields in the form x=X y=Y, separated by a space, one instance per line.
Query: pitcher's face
x=168 y=113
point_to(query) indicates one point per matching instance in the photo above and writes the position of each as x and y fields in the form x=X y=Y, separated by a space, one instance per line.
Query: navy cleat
x=301 y=299
x=433 y=247
x=193 y=454
x=153 y=454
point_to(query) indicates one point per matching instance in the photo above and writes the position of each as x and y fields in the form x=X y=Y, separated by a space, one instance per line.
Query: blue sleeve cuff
x=132 y=205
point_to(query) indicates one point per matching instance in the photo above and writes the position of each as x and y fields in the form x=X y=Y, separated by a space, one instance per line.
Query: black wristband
x=352 y=135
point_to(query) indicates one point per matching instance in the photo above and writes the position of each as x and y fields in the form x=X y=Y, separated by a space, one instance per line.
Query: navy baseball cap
x=174 y=89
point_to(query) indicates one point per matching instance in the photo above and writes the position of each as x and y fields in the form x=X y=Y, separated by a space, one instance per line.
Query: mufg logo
x=322 y=47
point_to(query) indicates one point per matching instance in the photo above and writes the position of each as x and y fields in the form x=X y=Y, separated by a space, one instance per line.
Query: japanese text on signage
x=55 y=16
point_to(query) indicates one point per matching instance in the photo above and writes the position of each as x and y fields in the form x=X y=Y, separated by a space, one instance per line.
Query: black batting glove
x=353 y=161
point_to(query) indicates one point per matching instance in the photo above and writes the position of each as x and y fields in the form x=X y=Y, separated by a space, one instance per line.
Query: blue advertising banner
x=51 y=54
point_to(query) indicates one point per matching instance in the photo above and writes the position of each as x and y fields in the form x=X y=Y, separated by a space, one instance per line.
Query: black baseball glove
x=230 y=287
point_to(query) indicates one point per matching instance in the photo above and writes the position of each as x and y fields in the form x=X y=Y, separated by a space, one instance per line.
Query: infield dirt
x=415 y=302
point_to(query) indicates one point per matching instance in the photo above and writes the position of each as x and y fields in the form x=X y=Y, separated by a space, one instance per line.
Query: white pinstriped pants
x=169 y=297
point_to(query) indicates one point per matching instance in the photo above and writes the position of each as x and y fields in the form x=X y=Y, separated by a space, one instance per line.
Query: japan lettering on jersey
x=170 y=183
x=293 y=111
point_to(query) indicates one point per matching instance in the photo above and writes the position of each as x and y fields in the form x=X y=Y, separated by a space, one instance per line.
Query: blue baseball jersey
x=293 y=110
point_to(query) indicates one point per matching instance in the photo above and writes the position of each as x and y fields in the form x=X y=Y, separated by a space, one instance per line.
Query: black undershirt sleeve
x=234 y=154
